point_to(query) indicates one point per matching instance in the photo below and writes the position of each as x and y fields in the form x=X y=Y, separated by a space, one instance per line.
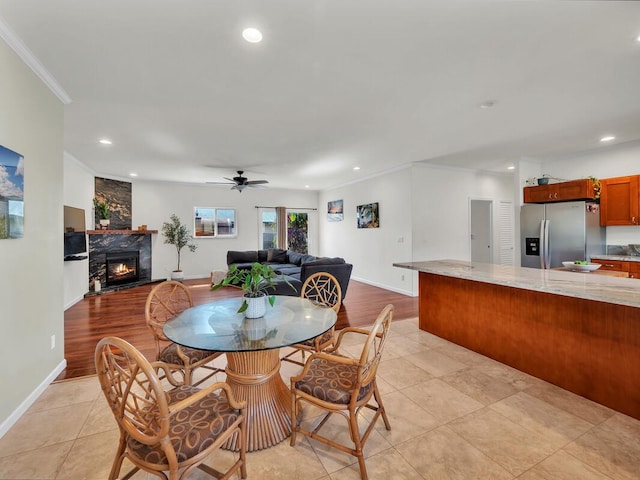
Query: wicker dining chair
x=322 y=289
x=343 y=385
x=168 y=433
x=164 y=302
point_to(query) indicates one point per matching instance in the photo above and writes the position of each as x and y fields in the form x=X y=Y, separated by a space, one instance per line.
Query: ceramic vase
x=257 y=306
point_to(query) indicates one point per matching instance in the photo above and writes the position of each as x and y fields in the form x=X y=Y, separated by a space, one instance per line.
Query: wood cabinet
x=619 y=201
x=560 y=192
x=632 y=269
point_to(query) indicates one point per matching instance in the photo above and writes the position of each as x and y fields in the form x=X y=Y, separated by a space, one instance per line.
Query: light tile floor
x=454 y=415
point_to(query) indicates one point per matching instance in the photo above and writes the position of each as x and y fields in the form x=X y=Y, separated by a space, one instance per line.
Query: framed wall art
x=335 y=212
x=11 y=194
x=368 y=216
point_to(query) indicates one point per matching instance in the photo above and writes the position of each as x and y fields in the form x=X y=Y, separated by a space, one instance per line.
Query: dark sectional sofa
x=296 y=267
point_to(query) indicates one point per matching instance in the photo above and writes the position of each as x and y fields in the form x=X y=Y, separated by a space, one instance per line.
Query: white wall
x=424 y=215
x=441 y=209
x=154 y=202
x=78 y=193
x=31 y=292
x=372 y=251
x=615 y=161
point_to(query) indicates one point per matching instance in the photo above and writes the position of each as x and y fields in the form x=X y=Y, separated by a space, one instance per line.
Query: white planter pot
x=257 y=306
x=177 y=275
x=104 y=223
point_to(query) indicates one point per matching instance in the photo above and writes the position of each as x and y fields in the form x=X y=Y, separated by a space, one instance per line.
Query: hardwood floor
x=121 y=314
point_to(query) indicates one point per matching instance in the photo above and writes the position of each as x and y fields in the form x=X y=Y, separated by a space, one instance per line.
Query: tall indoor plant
x=255 y=284
x=177 y=234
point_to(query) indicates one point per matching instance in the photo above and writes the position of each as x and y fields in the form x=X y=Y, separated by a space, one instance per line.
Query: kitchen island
x=579 y=331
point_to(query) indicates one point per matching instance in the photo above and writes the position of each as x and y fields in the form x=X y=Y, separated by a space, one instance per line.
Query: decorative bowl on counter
x=581 y=267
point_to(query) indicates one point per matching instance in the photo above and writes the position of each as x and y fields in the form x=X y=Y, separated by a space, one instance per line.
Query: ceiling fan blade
x=221 y=183
x=256 y=182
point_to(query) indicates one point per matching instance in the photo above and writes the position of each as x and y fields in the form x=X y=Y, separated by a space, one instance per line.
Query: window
x=267 y=228
x=212 y=222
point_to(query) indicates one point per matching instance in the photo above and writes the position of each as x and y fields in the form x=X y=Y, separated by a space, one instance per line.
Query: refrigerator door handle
x=545 y=245
x=541 y=246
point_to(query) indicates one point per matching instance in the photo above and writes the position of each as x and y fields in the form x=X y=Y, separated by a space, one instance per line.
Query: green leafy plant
x=102 y=209
x=177 y=234
x=254 y=282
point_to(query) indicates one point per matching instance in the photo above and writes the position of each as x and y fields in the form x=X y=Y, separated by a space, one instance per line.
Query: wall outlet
x=53 y=342
x=402 y=277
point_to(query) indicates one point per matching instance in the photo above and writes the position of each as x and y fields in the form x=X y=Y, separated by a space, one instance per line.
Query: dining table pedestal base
x=254 y=376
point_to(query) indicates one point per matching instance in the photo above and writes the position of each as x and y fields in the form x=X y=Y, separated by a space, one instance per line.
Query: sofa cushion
x=276 y=255
x=248 y=256
x=326 y=261
x=288 y=269
x=295 y=257
x=262 y=256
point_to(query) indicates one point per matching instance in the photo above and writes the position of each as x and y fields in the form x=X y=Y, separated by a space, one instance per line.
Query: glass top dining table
x=217 y=325
x=252 y=348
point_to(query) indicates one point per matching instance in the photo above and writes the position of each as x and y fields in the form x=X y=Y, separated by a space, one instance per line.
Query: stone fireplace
x=119 y=258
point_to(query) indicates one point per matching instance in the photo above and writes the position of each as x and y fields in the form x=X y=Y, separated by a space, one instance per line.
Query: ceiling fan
x=240 y=183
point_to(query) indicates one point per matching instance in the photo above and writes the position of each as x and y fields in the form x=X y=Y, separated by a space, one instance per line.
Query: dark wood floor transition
x=122 y=314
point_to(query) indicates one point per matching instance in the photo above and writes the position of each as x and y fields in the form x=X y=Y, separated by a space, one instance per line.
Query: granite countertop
x=601 y=288
x=620 y=258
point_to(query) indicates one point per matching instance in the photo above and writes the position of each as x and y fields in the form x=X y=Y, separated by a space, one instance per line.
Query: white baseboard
x=73 y=302
x=33 y=396
x=386 y=287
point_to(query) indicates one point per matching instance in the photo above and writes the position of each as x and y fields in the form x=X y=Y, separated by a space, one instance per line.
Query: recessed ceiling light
x=105 y=141
x=488 y=104
x=511 y=167
x=133 y=174
x=608 y=138
x=252 y=35
x=356 y=168
x=306 y=186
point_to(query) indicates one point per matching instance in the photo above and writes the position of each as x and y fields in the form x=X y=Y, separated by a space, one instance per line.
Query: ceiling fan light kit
x=240 y=182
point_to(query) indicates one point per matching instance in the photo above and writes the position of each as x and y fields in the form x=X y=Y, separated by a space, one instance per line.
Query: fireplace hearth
x=122 y=267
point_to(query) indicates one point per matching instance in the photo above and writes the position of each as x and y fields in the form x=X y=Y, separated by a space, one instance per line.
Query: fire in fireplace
x=122 y=267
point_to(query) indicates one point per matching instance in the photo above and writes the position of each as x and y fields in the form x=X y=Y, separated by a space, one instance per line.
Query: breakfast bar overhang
x=579 y=331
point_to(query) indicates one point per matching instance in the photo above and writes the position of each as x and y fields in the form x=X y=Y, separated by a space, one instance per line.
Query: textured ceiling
x=335 y=84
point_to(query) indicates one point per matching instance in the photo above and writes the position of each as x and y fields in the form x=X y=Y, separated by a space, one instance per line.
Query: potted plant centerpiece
x=177 y=234
x=255 y=284
x=102 y=211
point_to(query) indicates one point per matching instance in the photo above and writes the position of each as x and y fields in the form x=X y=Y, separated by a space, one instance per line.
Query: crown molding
x=31 y=60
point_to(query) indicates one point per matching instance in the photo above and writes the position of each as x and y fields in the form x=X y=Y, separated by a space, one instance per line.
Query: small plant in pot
x=102 y=211
x=255 y=284
x=177 y=234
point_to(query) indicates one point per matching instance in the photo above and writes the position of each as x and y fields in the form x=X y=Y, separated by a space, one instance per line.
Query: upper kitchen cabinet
x=582 y=189
x=619 y=201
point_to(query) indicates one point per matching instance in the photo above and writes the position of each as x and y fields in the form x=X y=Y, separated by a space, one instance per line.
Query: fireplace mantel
x=121 y=232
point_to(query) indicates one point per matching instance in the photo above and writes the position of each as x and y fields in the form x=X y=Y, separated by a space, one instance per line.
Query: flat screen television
x=75 y=238
x=75 y=243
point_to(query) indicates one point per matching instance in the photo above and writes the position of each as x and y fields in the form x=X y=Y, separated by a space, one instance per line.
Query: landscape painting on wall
x=368 y=216
x=11 y=194
x=335 y=211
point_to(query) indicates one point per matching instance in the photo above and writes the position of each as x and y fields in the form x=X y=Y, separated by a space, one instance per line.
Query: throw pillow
x=277 y=255
x=295 y=257
x=307 y=259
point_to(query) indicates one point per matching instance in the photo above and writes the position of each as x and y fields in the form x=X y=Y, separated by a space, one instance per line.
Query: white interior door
x=481 y=227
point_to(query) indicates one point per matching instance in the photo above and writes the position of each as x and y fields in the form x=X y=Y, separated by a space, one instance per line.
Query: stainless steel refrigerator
x=553 y=233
